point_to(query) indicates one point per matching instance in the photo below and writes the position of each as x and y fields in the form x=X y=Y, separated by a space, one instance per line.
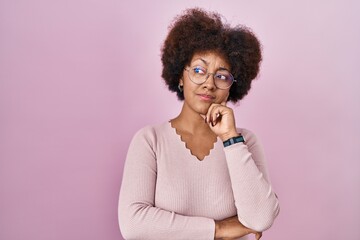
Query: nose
x=209 y=82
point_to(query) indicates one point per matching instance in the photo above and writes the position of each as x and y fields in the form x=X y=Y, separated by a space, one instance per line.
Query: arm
x=139 y=218
x=256 y=203
x=231 y=228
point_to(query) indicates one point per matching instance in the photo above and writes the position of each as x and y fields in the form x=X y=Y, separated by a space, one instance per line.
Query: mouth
x=206 y=97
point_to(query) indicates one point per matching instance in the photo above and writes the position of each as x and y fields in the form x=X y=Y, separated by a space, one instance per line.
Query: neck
x=190 y=121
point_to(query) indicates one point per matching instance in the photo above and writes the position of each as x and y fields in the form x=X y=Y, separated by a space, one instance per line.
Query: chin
x=203 y=110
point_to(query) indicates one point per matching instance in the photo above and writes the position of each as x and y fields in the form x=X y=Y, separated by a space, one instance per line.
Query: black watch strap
x=234 y=140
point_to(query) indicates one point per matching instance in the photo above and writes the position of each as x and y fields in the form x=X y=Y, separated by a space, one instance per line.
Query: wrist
x=227 y=136
x=217 y=234
x=234 y=140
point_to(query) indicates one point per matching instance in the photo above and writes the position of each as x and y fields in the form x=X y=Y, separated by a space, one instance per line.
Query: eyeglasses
x=222 y=78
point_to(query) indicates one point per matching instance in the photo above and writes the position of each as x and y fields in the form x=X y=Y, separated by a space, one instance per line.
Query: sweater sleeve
x=256 y=203
x=138 y=217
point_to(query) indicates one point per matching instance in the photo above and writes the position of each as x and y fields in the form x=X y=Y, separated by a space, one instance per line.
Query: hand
x=232 y=228
x=221 y=121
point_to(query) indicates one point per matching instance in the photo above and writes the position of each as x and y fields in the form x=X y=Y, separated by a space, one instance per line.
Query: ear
x=181 y=82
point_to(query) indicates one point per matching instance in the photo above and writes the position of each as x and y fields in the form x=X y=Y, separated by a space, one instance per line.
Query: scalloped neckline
x=186 y=144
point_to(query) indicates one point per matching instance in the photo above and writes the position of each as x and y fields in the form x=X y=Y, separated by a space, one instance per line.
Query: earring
x=180 y=87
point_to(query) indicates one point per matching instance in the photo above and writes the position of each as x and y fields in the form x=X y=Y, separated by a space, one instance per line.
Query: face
x=199 y=97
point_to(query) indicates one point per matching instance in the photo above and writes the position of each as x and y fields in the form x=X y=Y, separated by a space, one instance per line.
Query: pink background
x=78 y=78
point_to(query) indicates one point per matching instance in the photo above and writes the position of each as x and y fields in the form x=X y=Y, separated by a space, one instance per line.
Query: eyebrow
x=224 y=68
x=204 y=61
x=207 y=64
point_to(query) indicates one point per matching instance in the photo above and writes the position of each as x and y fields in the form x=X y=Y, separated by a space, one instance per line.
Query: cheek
x=223 y=97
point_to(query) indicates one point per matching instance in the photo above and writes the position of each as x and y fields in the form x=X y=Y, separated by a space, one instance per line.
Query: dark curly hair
x=199 y=31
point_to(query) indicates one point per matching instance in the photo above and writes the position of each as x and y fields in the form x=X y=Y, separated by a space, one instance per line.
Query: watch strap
x=234 y=140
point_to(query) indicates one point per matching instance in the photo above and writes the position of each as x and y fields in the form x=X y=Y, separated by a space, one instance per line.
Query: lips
x=206 y=97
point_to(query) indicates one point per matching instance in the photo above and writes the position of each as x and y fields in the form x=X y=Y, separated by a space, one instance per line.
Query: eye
x=223 y=76
x=199 y=70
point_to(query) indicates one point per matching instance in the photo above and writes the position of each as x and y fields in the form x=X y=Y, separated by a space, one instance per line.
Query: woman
x=197 y=176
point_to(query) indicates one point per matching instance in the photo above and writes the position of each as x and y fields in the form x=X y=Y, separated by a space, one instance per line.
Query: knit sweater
x=167 y=193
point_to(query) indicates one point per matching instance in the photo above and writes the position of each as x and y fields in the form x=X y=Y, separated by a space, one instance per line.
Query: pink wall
x=78 y=78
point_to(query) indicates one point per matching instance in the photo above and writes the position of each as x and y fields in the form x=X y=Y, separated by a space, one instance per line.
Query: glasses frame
x=207 y=76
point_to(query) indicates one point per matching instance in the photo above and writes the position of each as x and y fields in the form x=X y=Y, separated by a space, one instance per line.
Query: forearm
x=139 y=221
x=232 y=228
x=256 y=203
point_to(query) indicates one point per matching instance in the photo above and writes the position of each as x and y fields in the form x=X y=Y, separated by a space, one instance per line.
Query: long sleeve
x=256 y=203
x=138 y=217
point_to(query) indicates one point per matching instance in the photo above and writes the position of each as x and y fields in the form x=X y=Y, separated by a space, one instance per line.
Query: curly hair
x=199 y=31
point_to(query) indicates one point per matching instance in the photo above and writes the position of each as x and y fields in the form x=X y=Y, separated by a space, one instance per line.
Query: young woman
x=198 y=176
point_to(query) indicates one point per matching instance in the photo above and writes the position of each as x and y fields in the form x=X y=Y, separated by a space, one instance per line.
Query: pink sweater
x=166 y=193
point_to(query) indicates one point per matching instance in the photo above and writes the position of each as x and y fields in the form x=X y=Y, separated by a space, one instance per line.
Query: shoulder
x=150 y=133
x=254 y=146
x=149 y=138
x=250 y=137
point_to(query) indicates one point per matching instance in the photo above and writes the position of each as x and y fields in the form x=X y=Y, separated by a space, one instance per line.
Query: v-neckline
x=176 y=132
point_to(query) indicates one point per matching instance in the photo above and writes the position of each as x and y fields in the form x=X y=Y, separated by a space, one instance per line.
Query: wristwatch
x=234 y=140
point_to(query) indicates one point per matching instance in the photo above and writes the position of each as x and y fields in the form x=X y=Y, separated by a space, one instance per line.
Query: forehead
x=210 y=58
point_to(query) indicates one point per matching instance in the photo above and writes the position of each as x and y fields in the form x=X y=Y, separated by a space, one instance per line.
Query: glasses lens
x=223 y=79
x=197 y=74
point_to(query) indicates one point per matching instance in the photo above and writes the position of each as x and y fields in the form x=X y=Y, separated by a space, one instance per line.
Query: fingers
x=215 y=113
